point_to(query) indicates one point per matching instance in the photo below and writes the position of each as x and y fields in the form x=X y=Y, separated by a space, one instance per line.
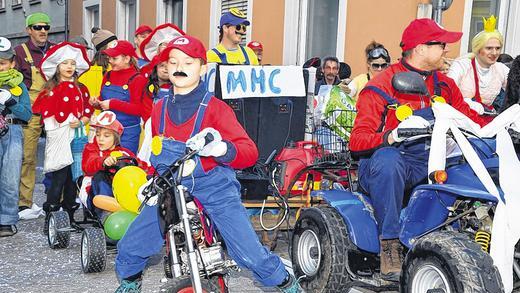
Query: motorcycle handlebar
x=411 y=132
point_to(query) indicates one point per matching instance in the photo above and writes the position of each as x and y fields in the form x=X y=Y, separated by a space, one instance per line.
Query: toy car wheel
x=59 y=230
x=449 y=262
x=93 y=250
x=184 y=285
x=319 y=251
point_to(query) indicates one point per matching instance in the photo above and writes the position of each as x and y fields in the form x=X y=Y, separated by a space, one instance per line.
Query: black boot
x=48 y=209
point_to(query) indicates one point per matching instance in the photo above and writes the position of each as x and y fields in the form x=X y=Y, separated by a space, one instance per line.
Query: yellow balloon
x=403 y=112
x=126 y=184
x=106 y=203
x=156 y=145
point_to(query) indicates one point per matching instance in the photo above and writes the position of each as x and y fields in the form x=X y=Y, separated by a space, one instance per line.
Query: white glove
x=4 y=96
x=152 y=200
x=410 y=122
x=215 y=148
x=475 y=106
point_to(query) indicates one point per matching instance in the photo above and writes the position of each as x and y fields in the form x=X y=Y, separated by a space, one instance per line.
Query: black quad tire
x=449 y=262
x=59 y=230
x=184 y=284
x=320 y=246
x=93 y=250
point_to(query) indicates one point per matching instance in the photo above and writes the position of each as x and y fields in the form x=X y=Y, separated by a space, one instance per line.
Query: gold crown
x=236 y=12
x=490 y=24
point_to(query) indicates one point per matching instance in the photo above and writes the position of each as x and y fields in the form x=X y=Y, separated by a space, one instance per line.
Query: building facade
x=13 y=13
x=291 y=31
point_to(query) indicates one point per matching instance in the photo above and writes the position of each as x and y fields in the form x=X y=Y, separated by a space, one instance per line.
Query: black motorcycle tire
x=455 y=257
x=184 y=283
x=328 y=225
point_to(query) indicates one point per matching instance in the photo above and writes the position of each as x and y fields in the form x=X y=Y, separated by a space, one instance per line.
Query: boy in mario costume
x=183 y=120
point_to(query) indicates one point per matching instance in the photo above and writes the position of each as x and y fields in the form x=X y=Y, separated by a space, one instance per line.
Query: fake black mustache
x=240 y=34
x=180 y=73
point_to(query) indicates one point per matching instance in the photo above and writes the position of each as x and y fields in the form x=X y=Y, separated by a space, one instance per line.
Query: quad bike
x=195 y=259
x=445 y=231
x=94 y=244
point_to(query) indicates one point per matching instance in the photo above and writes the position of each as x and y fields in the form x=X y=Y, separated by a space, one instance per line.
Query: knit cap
x=101 y=37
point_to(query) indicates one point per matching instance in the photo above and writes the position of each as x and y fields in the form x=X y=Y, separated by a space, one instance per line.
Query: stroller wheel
x=93 y=250
x=59 y=230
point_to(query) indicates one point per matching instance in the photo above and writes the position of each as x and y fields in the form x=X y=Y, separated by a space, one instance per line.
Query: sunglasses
x=239 y=27
x=441 y=44
x=378 y=53
x=37 y=27
x=377 y=66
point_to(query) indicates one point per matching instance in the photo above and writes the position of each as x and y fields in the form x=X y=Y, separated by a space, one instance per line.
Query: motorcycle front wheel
x=183 y=285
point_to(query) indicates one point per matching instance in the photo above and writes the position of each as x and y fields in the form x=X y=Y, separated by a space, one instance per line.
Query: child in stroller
x=101 y=160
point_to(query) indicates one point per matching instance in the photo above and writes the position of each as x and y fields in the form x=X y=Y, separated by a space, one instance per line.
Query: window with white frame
x=314 y=29
x=2 y=4
x=173 y=12
x=91 y=16
x=127 y=17
x=17 y=2
x=479 y=9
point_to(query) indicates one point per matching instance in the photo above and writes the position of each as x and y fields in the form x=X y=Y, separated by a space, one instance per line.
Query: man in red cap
x=188 y=116
x=258 y=49
x=140 y=34
x=387 y=166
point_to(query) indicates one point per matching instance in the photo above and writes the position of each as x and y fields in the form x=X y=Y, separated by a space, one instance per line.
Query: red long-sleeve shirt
x=93 y=158
x=372 y=126
x=220 y=117
x=135 y=87
x=147 y=102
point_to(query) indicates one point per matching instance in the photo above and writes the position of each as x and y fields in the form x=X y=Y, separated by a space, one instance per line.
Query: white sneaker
x=33 y=213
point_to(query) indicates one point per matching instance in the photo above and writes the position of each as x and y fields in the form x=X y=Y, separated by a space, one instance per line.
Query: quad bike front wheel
x=184 y=285
x=59 y=230
x=449 y=262
x=93 y=250
x=320 y=246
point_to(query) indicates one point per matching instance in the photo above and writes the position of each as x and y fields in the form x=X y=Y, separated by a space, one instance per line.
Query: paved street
x=27 y=264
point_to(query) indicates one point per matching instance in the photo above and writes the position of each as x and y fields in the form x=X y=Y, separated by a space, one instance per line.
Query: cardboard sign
x=210 y=76
x=245 y=81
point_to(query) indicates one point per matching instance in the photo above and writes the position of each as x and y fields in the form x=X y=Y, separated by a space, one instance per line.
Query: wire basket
x=332 y=132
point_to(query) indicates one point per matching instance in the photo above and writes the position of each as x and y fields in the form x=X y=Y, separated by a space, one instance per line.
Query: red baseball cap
x=191 y=46
x=108 y=120
x=254 y=45
x=143 y=29
x=120 y=48
x=424 y=30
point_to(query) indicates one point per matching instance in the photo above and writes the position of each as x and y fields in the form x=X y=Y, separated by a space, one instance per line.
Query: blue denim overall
x=219 y=193
x=131 y=123
x=391 y=170
x=223 y=56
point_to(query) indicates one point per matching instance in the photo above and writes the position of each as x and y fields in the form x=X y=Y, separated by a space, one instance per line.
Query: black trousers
x=61 y=183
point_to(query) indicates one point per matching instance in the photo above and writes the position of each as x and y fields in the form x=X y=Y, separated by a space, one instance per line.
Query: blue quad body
x=426 y=209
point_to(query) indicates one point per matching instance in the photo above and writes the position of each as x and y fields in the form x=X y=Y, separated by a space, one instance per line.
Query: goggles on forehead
x=378 y=53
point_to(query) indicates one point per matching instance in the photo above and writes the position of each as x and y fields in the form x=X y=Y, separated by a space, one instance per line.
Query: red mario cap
x=142 y=29
x=108 y=120
x=191 y=46
x=424 y=30
x=254 y=45
x=120 y=48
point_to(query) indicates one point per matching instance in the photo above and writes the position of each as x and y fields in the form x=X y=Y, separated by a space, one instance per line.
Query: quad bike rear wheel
x=184 y=285
x=319 y=251
x=59 y=230
x=93 y=250
x=449 y=262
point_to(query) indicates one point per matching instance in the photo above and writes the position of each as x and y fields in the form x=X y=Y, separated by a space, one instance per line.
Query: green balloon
x=117 y=223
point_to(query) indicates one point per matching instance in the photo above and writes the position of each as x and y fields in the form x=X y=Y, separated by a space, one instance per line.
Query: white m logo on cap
x=181 y=41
